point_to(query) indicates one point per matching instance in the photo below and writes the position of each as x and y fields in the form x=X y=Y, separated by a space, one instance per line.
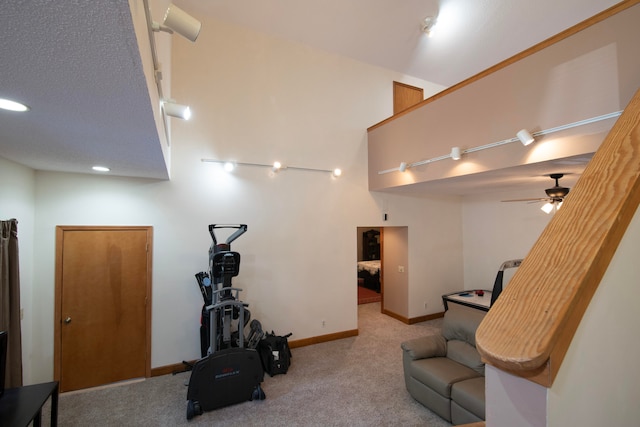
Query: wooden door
x=405 y=96
x=102 y=305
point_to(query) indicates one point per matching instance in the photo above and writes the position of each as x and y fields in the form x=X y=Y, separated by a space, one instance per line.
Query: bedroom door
x=102 y=328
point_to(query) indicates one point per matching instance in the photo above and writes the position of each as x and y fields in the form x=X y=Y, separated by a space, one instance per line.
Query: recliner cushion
x=469 y=395
x=466 y=354
x=428 y=397
x=461 y=324
x=427 y=346
x=440 y=373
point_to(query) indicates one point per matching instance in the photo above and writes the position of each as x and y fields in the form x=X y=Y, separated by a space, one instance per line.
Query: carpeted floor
x=355 y=381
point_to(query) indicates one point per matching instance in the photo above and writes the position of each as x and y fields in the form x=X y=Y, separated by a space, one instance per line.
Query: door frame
x=57 y=333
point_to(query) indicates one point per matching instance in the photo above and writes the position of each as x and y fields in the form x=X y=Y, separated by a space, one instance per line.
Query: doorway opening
x=369 y=264
x=383 y=268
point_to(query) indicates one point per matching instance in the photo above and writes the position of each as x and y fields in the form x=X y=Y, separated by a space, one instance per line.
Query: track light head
x=176 y=19
x=456 y=154
x=427 y=25
x=403 y=167
x=525 y=137
x=176 y=110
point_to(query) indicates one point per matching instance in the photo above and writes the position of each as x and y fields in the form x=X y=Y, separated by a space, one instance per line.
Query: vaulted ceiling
x=79 y=67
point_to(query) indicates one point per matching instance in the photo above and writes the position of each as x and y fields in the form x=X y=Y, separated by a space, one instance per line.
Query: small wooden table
x=19 y=406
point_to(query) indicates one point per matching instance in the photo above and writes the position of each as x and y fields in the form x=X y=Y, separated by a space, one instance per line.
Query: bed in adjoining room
x=369 y=272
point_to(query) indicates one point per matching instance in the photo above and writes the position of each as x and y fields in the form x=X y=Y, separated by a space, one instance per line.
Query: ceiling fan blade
x=556 y=194
x=526 y=200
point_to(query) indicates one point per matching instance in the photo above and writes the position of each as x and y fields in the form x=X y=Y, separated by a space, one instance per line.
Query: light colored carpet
x=355 y=381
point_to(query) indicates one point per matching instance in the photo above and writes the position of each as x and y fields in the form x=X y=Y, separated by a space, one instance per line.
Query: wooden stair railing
x=530 y=327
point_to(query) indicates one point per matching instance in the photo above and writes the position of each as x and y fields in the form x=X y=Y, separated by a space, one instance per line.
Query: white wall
x=17 y=200
x=435 y=252
x=598 y=383
x=496 y=231
x=396 y=283
x=256 y=99
x=513 y=401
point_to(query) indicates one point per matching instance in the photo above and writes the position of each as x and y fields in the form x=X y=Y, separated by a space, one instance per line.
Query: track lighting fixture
x=525 y=137
x=184 y=24
x=176 y=19
x=427 y=25
x=176 y=110
x=275 y=167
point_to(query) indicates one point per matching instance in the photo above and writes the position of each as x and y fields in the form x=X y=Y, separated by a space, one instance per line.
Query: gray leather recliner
x=444 y=372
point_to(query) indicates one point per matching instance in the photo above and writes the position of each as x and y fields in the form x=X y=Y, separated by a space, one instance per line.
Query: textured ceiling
x=78 y=64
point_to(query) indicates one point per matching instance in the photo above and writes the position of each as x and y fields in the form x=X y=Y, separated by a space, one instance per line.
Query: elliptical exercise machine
x=231 y=371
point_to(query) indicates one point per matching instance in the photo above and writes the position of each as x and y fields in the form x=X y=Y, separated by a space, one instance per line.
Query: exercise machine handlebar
x=240 y=230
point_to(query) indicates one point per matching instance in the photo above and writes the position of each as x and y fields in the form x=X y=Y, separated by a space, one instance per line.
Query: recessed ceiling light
x=7 y=104
x=101 y=169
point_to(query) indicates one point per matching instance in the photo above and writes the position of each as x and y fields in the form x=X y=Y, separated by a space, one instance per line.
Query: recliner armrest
x=424 y=347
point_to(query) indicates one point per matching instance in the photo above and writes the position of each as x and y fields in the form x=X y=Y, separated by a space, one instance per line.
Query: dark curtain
x=10 y=300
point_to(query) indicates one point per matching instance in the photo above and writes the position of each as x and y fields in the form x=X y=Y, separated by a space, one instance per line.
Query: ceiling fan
x=555 y=195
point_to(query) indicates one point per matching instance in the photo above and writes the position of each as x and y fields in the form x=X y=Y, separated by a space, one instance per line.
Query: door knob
x=67 y=320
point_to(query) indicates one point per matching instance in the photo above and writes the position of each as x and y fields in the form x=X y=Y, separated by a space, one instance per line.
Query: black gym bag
x=275 y=353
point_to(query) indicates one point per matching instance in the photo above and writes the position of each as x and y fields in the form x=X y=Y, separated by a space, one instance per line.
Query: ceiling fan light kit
x=555 y=195
x=547 y=207
x=557 y=192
